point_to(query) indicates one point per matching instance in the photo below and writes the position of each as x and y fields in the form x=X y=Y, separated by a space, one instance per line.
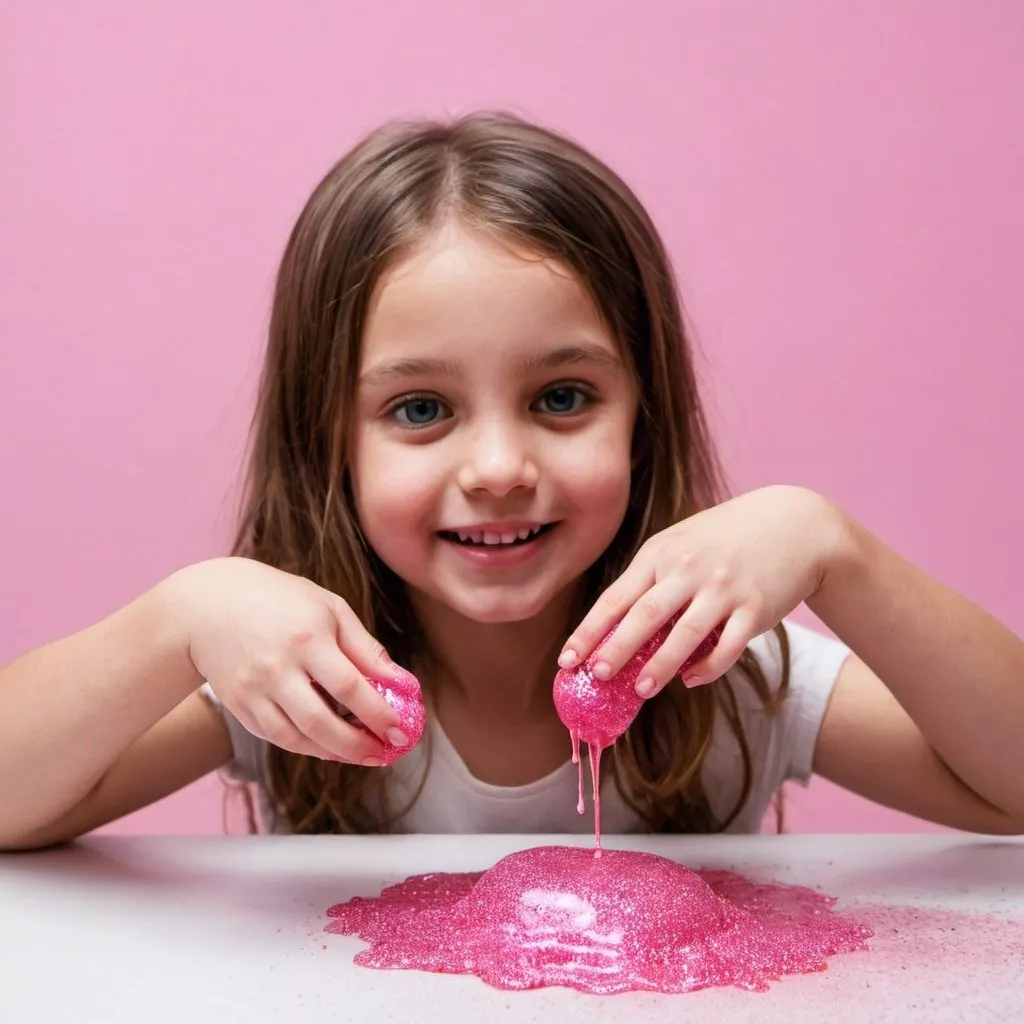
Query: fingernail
x=372 y=762
x=645 y=687
x=396 y=737
x=567 y=658
x=603 y=670
x=693 y=680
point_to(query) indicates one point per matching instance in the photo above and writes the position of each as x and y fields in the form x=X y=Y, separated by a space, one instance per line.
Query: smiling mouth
x=509 y=539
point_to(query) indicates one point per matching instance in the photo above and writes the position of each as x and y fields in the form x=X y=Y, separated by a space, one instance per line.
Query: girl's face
x=490 y=449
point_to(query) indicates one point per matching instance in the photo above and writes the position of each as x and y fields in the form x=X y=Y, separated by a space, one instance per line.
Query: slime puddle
x=556 y=915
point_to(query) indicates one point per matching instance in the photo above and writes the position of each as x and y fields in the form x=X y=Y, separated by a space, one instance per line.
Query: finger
x=345 y=683
x=646 y=623
x=607 y=611
x=272 y=724
x=310 y=714
x=737 y=634
x=693 y=627
x=363 y=650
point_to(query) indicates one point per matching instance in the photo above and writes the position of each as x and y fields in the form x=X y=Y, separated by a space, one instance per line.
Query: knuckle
x=310 y=723
x=722 y=577
x=279 y=733
x=346 y=688
x=651 y=608
x=266 y=665
x=300 y=637
x=689 y=632
x=247 y=684
x=686 y=559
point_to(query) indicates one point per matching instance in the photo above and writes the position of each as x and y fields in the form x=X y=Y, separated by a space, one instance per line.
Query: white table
x=114 y=929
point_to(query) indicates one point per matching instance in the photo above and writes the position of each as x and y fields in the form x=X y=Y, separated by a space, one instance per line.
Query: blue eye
x=419 y=411
x=563 y=399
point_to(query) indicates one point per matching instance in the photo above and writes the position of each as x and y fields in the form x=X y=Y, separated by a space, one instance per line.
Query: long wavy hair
x=539 y=189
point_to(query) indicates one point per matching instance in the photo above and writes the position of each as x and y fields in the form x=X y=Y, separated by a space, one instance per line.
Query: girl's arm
x=73 y=711
x=107 y=720
x=944 y=737
x=184 y=745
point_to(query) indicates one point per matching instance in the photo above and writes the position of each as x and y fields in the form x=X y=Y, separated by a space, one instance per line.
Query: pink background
x=839 y=184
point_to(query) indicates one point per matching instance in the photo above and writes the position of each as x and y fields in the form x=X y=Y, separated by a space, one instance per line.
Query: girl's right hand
x=265 y=640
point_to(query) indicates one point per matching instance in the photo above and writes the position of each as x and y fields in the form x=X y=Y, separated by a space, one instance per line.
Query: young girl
x=478 y=446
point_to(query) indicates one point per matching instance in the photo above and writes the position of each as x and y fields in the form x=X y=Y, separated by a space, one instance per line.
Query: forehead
x=474 y=295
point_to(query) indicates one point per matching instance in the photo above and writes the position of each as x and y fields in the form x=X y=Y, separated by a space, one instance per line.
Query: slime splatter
x=555 y=915
x=597 y=712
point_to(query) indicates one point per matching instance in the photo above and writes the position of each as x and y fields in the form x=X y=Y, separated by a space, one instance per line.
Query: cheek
x=596 y=479
x=394 y=491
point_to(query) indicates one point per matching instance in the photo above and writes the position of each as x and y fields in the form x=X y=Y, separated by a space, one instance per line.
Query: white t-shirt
x=453 y=801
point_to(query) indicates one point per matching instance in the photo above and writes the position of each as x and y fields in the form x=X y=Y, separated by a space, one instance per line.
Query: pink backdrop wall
x=840 y=185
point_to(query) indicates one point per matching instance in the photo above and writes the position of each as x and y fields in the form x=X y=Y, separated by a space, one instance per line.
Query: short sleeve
x=248 y=752
x=815 y=661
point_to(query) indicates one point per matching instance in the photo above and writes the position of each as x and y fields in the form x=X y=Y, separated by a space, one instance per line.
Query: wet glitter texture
x=599 y=711
x=403 y=693
x=554 y=915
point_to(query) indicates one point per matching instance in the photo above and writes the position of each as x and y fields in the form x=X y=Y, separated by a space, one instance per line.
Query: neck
x=505 y=667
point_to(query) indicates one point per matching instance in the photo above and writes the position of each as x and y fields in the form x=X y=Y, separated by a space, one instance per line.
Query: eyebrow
x=567 y=355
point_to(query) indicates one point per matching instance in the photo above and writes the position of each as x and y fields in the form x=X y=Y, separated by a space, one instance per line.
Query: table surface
x=232 y=929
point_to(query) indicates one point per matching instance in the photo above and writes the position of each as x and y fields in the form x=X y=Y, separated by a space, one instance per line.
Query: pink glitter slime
x=555 y=915
x=403 y=693
x=597 y=712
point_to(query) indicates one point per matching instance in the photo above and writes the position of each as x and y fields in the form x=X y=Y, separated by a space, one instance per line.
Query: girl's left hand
x=746 y=564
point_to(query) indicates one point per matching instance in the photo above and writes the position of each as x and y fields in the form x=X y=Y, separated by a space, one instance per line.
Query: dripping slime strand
x=594 y=753
x=597 y=712
x=574 y=736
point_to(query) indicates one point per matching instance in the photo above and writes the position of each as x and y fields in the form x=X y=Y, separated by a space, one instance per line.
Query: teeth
x=493 y=538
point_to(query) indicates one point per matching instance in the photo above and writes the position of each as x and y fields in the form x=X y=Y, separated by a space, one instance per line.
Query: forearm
x=69 y=709
x=955 y=669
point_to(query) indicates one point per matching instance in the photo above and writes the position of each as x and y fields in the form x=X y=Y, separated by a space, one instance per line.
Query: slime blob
x=555 y=915
x=403 y=693
x=598 y=711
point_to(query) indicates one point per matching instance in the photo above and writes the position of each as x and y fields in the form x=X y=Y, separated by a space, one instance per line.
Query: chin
x=498 y=613
x=495 y=609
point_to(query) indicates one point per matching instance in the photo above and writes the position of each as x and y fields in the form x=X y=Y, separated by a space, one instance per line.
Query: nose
x=498 y=459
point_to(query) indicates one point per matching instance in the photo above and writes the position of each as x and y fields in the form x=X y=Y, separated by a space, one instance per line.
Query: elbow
x=1011 y=827
x=40 y=837
x=1002 y=823
x=28 y=842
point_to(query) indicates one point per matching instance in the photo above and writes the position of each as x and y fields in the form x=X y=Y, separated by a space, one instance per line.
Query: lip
x=496 y=555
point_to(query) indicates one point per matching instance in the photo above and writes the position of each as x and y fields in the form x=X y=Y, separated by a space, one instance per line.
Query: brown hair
x=525 y=183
